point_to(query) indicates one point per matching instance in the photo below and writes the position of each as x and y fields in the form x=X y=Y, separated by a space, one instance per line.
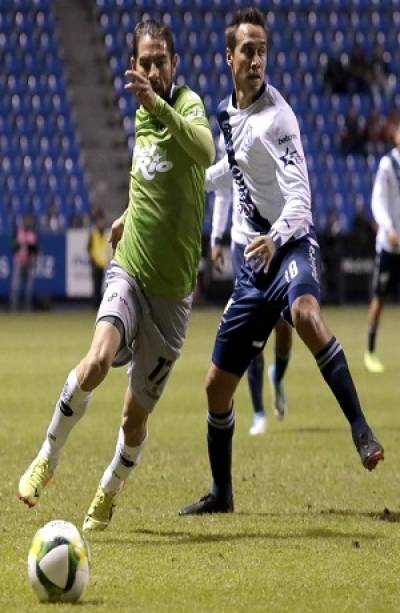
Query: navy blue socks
x=219 y=438
x=255 y=374
x=333 y=365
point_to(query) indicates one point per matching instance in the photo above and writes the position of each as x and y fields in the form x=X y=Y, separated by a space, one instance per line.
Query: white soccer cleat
x=259 y=426
x=34 y=479
x=100 y=511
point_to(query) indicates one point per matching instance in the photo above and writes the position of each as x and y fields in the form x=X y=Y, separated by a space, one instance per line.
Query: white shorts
x=154 y=332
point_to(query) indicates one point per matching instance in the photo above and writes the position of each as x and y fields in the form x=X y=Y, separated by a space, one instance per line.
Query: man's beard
x=164 y=93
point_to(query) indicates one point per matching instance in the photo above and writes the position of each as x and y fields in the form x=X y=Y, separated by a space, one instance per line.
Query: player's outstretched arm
x=195 y=139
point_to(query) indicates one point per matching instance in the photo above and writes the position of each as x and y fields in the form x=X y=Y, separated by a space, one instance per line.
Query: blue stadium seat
x=34 y=108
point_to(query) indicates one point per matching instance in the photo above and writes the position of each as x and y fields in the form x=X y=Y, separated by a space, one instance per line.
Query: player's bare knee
x=306 y=317
x=220 y=387
x=95 y=368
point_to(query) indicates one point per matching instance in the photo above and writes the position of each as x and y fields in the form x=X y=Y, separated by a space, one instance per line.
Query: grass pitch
x=312 y=531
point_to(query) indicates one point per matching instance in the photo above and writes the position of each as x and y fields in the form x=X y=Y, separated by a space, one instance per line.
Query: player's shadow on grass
x=90 y=602
x=179 y=537
x=310 y=430
x=323 y=429
x=385 y=515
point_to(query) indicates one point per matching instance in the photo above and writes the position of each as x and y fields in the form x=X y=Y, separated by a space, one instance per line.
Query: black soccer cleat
x=370 y=450
x=208 y=504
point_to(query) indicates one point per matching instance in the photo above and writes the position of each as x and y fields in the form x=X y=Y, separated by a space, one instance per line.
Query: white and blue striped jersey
x=265 y=161
x=385 y=201
x=224 y=200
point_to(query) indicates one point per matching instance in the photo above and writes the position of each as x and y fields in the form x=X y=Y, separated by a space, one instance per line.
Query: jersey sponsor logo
x=286 y=139
x=195 y=113
x=291 y=157
x=148 y=161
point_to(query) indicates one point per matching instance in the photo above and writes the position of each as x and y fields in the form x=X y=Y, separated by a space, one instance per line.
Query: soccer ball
x=59 y=562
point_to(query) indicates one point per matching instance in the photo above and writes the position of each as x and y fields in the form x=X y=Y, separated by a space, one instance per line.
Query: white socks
x=124 y=460
x=71 y=406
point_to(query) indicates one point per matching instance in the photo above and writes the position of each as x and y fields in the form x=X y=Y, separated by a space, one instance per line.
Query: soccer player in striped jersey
x=265 y=159
x=386 y=276
x=226 y=199
x=145 y=309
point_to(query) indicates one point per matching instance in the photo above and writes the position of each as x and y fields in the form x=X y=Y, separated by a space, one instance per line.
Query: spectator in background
x=374 y=132
x=336 y=76
x=53 y=220
x=359 y=71
x=362 y=226
x=352 y=139
x=78 y=217
x=24 y=261
x=99 y=252
x=390 y=127
x=381 y=83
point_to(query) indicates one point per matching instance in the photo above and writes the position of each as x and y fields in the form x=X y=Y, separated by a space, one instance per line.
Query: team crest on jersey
x=148 y=161
x=291 y=157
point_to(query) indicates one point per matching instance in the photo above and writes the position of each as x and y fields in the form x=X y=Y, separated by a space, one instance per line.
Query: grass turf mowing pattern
x=310 y=531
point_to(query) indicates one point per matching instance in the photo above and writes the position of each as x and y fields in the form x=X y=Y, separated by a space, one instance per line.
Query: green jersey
x=161 y=242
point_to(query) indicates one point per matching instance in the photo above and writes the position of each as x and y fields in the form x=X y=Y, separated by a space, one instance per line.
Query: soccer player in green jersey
x=147 y=302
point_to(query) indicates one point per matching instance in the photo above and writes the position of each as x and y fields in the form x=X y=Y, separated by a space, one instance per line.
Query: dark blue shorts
x=237 y=258
x=259 y=299
x=386 y=275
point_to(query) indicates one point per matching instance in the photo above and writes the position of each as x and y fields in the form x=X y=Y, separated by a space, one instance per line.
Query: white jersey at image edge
x=386 y=201
x=268 y=151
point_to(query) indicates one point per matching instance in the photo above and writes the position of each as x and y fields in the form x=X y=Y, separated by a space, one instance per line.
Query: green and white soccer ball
x=59 y=562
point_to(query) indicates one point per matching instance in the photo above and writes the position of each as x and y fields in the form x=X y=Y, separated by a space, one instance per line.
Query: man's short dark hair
x=154 y=29
x=246 y=15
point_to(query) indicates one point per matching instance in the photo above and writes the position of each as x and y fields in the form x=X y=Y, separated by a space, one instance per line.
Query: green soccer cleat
x=100 y=511
x=372 y=363
x=34 y=479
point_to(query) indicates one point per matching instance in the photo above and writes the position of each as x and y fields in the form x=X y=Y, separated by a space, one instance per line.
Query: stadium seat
x=35 y=116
